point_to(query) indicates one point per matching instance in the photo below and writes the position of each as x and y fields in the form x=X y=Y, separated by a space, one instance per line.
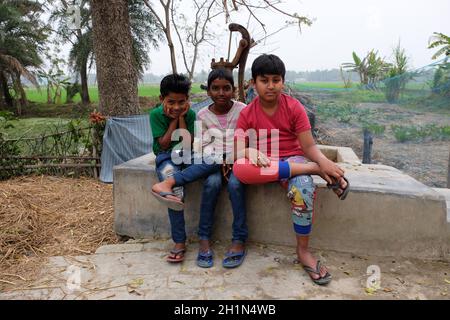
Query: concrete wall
x=386 y=212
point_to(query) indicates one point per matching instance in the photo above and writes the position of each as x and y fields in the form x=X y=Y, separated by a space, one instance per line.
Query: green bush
x=374 y=128
x=413 y=133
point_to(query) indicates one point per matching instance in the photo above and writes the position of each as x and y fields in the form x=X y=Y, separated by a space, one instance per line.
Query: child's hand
x=258 y=158
x=330 y=169
x=186 y=109
x=167 y=112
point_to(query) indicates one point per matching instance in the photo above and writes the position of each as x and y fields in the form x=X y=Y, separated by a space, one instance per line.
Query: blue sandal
x=234 y=259
x=205 y=259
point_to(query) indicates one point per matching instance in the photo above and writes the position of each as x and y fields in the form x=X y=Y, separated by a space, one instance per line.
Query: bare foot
x=236 y=247
x=180 y=249
x=306 y=259
x=204 y=245
x=165 y=186
x=342 y=185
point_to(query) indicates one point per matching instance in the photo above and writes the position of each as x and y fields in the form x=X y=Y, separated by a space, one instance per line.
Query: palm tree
x=439 y=39
x=22 y=41
x=13 y=68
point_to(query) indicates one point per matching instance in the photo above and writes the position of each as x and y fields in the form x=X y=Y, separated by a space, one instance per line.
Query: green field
x=317 y=85
x=146 y=90
x=339 y=85
x=36 y=127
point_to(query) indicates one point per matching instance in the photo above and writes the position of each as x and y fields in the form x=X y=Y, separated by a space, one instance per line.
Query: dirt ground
x=426 y=161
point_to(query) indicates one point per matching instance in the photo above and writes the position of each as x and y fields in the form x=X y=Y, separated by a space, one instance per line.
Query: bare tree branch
x=199 y=33
x=244 y=3
x=161 y=24
x=183 y=52
x=269 y=35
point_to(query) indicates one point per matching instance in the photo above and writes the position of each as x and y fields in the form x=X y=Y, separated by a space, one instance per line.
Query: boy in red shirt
x=273 y=142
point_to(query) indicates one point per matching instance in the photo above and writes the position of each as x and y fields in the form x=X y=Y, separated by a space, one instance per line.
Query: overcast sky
x=340 y=27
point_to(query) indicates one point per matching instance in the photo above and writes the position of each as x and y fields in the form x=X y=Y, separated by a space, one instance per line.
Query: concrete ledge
x=445 y=193
x=386 y=212
x=340 y=154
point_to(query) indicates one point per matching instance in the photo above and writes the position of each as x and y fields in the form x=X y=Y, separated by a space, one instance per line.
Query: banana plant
x=359 y=66
x=439 y=39
x=371 y=68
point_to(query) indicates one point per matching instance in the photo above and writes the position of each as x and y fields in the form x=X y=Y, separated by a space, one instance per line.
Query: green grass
x=318 y=85
x=35 y=127
x=143 y=90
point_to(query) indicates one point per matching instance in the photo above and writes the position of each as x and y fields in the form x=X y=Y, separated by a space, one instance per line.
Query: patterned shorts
x=301 y=191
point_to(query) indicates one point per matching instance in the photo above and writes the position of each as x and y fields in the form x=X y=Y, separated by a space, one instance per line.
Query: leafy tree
x=55 y=79
x=81 y=56
x=22 y=41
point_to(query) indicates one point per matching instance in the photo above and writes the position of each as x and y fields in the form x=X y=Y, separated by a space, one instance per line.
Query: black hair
x=268 y=64
x=220 y=73
x=175 y=82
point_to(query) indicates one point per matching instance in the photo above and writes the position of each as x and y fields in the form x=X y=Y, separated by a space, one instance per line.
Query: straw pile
x=43 y=216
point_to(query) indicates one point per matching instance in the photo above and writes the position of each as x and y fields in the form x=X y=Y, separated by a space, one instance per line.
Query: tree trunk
x=85 y=100
x=49 y=92
x=7 y=98
x=194 y=61
x=116 y=74
x=21 y=92
x=169 y=38
x=367 y=149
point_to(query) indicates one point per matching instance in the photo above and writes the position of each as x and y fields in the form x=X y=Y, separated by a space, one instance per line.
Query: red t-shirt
x=289 y=120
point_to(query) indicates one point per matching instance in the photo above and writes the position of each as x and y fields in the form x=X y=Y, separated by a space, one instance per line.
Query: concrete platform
x=138 y=270
x=386 y=213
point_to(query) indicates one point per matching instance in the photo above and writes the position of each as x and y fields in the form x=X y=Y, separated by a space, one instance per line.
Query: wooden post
x=368 y=142
x=448 y=171
x=94 y=150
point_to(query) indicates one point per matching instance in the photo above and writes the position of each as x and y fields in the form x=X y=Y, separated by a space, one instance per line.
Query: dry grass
x=43 y=216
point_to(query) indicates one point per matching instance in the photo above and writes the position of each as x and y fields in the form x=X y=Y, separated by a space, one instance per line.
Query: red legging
x=248 y=173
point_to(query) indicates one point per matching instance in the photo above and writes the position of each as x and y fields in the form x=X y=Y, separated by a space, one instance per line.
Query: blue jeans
x=210 y=195
x=236 y=191
x=165 y=168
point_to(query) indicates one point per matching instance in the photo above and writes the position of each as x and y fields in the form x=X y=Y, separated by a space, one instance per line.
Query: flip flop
x=172 y=204
x=205 y=259
x=321 y=280
x=337 y=186
x=234 y=259
x=175 y=253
